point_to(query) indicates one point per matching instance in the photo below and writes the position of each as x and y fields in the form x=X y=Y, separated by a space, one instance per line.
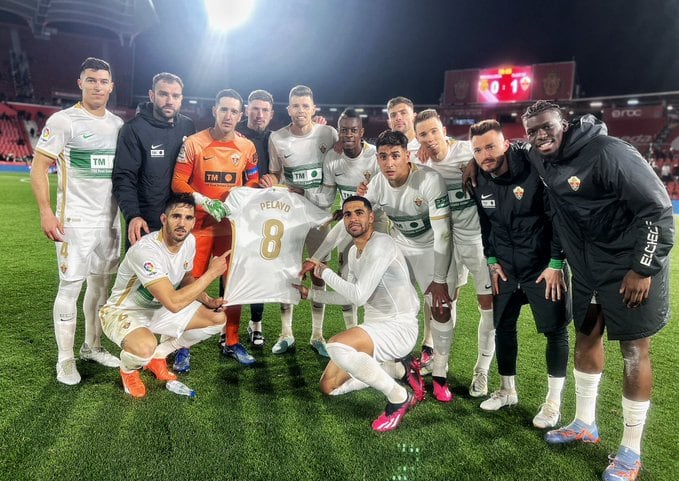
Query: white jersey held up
x=269 y=227
x=83 y=146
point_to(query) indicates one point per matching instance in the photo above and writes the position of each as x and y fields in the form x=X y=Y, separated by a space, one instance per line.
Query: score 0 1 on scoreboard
x=505 y=84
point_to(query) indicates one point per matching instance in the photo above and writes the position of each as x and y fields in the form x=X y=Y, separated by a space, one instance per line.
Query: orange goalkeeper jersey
x=212 y=168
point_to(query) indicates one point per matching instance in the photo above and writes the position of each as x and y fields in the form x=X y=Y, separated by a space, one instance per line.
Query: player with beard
x=343 y=171
x=614 y=219
x=377 y=278
x=210 y=164
x=155 y=293
x=146 y=152
x=449 y=157
x=401 y=118
x=296 y=159
x=526 y=261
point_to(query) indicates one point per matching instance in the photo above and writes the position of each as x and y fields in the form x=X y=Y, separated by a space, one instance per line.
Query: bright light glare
x=225 y=15
x=633 y=102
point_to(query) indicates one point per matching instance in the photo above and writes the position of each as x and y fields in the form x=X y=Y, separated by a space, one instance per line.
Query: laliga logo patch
x=574 y=182
x=518 y=192
x=149 y=267
x=235 y=158
x=418 y=201
x=324 y=148
x=186 y=265
x=45 y=133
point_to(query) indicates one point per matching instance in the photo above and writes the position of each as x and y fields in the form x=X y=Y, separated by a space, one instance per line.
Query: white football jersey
x=300 y=158
x=413 y=146
x=412 y=206
x=83 y=147
x=465 y=218
x=343 y=174
x=147 y=262
x=269 y=227
x=378 y=279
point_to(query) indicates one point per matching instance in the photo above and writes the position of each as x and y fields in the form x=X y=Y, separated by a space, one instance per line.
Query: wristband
x=556 y=264
x=492 y=260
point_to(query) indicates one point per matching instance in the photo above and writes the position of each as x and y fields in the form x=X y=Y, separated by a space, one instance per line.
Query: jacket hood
x=145 y=110
x=580 y=133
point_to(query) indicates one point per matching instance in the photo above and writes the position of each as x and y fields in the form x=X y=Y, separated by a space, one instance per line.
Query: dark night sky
x=366 y=51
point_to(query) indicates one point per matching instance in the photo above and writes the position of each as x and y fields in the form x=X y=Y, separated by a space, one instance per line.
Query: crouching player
x=378 y=279
x=154 y=293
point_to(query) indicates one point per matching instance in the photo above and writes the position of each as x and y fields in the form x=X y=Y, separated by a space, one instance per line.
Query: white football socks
x=634 y=418
x=442 y=335
x=96 y=293
x=365 y=368
x=486 y=339
x=64 y=316
x=317 y=315
x=586 y=391
x=286 y=320
x=554 y=389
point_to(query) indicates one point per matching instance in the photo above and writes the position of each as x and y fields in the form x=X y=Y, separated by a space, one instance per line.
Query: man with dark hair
x=297 y=160
x=415 y=199
x=377 y=278
x=155 y=293
x=86 y=227
x=614 y=219
x=343 y=172
x=448 y=157
x=256 y=128
x=526 y=261
x=401 y=118
x=210 y=164
x=147 y=149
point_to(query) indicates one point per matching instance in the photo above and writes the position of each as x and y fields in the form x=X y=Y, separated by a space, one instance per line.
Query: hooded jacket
x=515 y=224
x=144 y=163
x=611 y=211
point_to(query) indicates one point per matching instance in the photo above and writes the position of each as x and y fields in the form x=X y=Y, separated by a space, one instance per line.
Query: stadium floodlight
x=670 y=107
x=225 y=15
x=633 y=102
x=596 y=103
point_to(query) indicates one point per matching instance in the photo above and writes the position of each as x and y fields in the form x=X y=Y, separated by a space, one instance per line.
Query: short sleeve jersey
x=343 y=174
x=212 y=168
x=300 y=158
x=147 y=262
x=268 y=227
x=465 y=218
x=83 y=146
x=412 y=206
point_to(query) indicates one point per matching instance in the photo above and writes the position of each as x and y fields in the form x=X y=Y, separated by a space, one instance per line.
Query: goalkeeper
x=211 y=163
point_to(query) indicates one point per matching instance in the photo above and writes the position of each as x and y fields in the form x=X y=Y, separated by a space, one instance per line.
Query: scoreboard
x=509 y=83
x=505 y=84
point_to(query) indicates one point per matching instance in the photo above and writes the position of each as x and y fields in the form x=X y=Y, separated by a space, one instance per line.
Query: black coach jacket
x=515 y=224
x=611 y=210
x=144 y=163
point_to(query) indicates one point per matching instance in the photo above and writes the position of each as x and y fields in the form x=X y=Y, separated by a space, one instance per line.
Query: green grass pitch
x=270 y=422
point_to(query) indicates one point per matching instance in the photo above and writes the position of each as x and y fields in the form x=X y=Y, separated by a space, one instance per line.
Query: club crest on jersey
x=574 y=182
x=123 y=318
x=235 y=158
x=367 y=175
x=149 y=267
x=186 y=265
x=63 y=267
x=518 y=192
x=324 y=148
x=418 y=201
x=45 y=133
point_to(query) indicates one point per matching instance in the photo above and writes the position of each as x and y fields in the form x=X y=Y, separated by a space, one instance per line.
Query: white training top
x=268 y=227
x=344 y=174
x=147 y=262
x=377 y=279
x=465 y=218
x=83 y=147
x=300 y=158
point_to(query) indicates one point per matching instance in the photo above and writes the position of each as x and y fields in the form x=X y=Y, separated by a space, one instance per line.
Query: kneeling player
x=154 y=293
x=378 y=279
